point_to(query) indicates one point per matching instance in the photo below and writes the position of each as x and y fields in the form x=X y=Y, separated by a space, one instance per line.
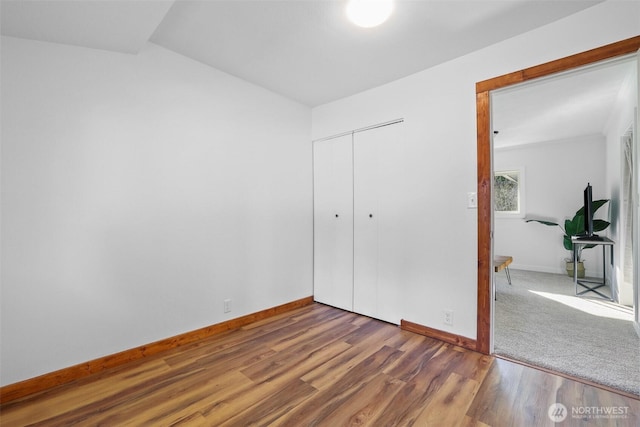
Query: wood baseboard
x=447 y=337
x=44 y=382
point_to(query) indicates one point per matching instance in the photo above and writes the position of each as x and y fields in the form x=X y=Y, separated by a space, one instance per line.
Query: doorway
x=485 y=167
x=559 y=133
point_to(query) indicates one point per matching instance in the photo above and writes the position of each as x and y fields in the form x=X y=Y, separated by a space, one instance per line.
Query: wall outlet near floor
x=227 y=305
x=448 y=317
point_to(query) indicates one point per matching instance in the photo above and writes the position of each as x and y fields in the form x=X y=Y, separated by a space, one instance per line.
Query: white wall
x=438 y=105
x=139 y=192
x=553 y=190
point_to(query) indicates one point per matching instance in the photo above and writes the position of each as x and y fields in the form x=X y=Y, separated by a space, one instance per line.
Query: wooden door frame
x=485 y=214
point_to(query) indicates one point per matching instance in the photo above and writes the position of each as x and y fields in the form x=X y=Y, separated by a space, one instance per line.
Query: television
x=588 y=211
x=588 y=215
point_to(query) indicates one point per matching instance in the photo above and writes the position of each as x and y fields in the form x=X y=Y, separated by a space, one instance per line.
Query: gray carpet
x=540 y=321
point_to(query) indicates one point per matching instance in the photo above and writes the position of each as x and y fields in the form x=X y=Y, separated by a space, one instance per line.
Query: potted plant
x=575 y=227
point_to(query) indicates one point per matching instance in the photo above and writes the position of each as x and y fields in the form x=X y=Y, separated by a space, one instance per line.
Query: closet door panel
x=333 y=222
x=377 y=221
x=394 y=225
x=366 y=219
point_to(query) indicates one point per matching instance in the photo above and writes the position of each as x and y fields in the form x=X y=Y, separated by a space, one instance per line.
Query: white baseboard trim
x=545 y=269
x=537 y=268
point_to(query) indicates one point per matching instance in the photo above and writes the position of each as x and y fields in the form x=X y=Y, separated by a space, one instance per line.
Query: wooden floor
x=321 y=366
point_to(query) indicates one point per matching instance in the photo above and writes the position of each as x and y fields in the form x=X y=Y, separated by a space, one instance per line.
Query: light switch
x=472 y=200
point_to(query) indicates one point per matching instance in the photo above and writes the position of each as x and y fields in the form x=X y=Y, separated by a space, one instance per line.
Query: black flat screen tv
x=587 y=209
x=588 y=212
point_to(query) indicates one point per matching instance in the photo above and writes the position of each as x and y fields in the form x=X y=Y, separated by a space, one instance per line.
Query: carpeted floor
x=539 y=320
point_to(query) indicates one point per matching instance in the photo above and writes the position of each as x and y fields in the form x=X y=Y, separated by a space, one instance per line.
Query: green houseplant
x=575 y=227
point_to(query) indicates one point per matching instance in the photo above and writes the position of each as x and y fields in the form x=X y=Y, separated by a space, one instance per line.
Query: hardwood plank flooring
x=320 y=366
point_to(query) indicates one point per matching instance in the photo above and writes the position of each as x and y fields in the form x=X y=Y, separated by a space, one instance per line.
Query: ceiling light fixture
x=369 y=13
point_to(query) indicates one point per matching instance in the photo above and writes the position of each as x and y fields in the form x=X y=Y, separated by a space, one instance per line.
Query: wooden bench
x=502 y=263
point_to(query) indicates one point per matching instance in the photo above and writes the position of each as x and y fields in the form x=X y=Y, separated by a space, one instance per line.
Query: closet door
x=333 y=222
x=374 y=221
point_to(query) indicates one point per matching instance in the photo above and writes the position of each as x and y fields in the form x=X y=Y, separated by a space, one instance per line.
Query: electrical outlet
x=227 y=305
x=448 y=317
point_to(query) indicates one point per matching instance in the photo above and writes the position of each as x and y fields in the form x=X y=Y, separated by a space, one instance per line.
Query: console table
x=584 y=241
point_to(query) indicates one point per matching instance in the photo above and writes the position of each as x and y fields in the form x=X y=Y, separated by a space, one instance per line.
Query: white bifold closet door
x=375 y=172
x=358 y=221
x=333 y=222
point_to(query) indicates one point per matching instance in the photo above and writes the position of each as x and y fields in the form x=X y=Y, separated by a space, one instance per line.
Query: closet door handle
x=370 y=215
x=336 y=215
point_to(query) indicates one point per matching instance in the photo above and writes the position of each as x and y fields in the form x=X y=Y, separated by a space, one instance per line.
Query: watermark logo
x=557 y=412
x=600 y=412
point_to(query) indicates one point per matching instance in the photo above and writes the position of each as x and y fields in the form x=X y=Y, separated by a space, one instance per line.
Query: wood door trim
x=483 y=114
x=485 y=218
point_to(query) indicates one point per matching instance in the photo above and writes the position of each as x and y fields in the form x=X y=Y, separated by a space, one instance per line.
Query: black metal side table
x=578 y=241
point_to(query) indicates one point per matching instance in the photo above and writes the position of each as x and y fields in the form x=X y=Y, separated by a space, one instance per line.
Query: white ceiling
x=120 y=26
x=577 y=103
x=305 y=50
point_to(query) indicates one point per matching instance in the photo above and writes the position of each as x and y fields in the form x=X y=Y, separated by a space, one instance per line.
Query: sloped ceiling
x=573 y=104
x=119 y=26
x=305 y=50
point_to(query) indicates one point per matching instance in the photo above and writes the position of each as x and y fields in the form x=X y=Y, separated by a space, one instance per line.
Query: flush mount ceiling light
x=369 y=13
